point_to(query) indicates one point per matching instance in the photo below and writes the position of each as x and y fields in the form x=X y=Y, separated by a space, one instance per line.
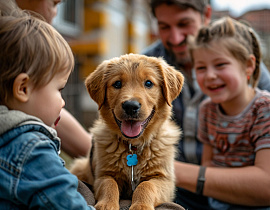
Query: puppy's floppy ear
x=173 y=81
x=95 y=84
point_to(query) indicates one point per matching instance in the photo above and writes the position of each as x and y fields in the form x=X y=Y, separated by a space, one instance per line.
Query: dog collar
x=132 y=161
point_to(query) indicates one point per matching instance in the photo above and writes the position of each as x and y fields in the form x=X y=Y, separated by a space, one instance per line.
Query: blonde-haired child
x=234 y=122
x=35 y=65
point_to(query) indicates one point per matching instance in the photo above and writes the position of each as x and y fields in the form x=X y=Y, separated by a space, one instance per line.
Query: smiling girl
x=234 y=122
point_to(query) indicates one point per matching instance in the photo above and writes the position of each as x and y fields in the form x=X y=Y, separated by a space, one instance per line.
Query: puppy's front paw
x=141 y=207
x=107 y=206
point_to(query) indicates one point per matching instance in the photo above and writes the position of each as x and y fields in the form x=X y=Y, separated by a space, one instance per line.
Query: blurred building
x=260 y=22
x=98 y=30
x=102 y=29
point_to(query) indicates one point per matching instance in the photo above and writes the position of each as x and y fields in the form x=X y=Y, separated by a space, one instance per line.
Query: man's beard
x=181 y=59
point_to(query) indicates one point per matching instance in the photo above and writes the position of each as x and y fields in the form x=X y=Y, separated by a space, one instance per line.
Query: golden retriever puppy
x=134 y=138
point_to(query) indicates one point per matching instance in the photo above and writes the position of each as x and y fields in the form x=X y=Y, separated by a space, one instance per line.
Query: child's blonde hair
x=239 y=39
x=10 y=7
x=29 y=45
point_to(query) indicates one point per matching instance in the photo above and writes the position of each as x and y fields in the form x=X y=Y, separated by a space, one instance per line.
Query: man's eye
x=117 y=84
x=184 y=24
x=163 y=27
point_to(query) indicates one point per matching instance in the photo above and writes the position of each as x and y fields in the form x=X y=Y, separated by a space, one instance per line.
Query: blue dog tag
x=132 y=160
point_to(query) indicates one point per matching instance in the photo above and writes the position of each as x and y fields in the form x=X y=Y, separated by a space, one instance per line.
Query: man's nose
x=176 y=36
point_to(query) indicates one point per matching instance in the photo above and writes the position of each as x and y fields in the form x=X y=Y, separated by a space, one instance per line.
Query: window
x=69 y=19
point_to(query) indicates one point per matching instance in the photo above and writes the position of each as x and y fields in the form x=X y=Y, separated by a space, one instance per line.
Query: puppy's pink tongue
x=131 y=128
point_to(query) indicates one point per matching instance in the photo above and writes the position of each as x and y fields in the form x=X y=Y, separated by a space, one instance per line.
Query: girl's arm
x=243 y=186
x=75 y=140
x=207 y=155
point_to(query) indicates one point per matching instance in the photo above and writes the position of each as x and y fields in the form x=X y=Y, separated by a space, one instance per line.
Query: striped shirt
x=236 y=139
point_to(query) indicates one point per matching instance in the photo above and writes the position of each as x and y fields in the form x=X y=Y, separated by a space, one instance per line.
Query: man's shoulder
x=207 y=103
x=262 y=97
x=264 y=80
x=156 y=49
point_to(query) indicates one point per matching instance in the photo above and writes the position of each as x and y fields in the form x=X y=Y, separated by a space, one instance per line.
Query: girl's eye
x=221 y=64
x=148 y=84
x=117 y=84
x=199 y=68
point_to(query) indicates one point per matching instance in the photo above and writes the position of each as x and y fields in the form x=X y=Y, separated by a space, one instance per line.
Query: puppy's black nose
x=131 y=107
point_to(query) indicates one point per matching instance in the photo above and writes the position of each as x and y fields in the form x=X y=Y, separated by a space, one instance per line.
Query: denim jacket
x=32 y=174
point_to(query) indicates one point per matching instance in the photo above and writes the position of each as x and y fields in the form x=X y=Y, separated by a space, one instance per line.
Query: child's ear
x=21 y=88
x=251 y=64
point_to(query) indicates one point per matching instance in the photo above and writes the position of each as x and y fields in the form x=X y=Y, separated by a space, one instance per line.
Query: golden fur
x=131 y=89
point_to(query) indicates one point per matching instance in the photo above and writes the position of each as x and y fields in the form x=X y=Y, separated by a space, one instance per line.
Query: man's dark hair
x=198 y=5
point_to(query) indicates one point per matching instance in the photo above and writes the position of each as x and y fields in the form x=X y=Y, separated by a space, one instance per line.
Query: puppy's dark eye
x=148 y=84
x=117 y=84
